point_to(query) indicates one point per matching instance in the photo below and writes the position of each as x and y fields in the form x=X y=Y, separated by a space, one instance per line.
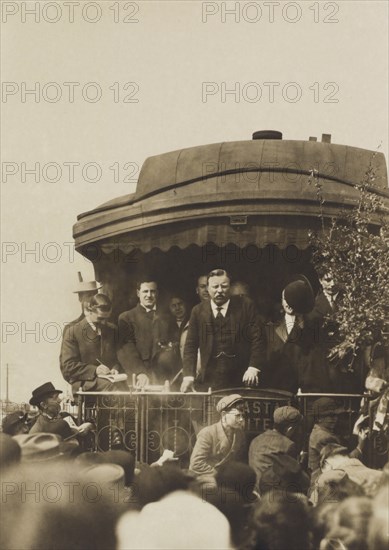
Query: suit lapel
x=206 y=331
x=322 y=304
x=88 y=334
x=223 y=444
x=281 y=331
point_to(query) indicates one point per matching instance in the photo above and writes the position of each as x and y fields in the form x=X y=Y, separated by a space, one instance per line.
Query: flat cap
x=326 y=405
x=228 y=401
x=286 y=414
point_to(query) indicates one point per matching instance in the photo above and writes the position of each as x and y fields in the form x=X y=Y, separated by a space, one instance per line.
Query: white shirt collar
x=289 y=322
x=330 y=297
x=145 y=308
x=223 y=309
x=96 y=329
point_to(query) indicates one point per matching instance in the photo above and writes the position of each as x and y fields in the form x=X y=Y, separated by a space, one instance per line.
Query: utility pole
x=7 y=384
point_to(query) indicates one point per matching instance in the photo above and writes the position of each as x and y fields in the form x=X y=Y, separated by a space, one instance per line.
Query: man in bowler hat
x=293 y=358
x=46 y=398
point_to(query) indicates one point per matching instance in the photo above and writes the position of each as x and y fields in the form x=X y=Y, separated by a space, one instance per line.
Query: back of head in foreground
x=378 y=535
x=280 y=520
x=350 y=525
x=56 y=508
x=179 y=521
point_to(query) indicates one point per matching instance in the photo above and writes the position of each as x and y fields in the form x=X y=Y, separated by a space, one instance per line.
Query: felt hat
x=124 y=459
x=227 y=402
x=41 y=391
x=11 y=420
x=88 y=458
x=325 y=406
x=38 y=447
x=107 y=475
x=299 y=295
x=286 y=414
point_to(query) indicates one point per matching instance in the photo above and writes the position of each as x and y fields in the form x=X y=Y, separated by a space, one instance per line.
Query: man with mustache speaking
x=226 y=331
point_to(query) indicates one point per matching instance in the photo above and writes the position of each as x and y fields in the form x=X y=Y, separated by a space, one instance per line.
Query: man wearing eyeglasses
x=89 y=348
x=222 y=441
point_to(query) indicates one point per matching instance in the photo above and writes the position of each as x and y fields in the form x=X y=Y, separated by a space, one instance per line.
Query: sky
x=91 y=89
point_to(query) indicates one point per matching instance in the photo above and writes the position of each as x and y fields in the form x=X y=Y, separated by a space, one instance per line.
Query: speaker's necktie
x=150 y=314
x=219 y=313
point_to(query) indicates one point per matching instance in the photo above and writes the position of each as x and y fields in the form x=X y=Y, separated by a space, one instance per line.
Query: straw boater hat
x=87 y=286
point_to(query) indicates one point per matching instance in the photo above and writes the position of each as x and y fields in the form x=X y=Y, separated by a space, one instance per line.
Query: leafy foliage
x=355 y=248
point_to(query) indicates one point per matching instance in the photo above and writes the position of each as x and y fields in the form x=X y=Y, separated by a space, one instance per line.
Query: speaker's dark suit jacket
x=248 y=338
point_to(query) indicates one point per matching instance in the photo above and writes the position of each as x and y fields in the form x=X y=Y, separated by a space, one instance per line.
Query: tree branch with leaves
x=354 y=247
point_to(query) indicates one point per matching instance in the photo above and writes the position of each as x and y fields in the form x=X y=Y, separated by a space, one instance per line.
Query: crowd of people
x=234 y=495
